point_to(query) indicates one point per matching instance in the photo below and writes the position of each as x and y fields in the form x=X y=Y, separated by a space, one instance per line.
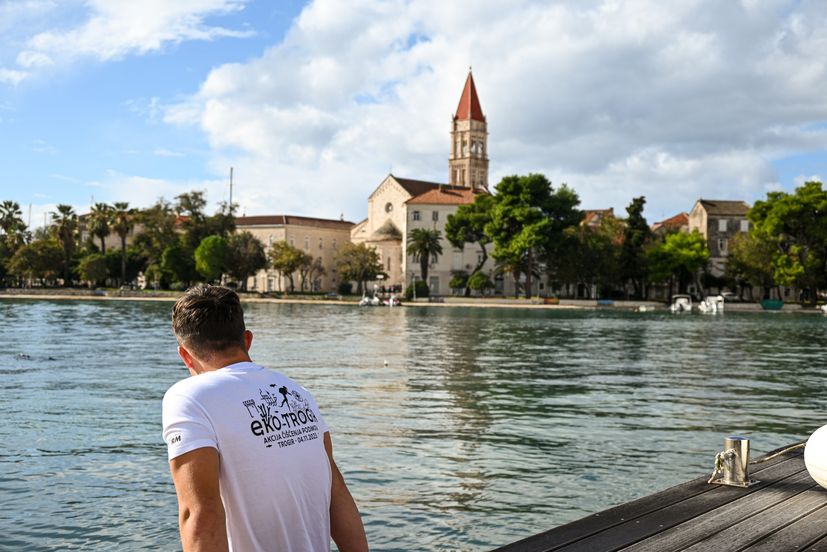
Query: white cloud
x=672 y=100
x=109 y=30
x=12 y=76
x=43 y=147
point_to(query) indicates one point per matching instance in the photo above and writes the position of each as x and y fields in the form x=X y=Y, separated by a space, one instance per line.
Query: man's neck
x=214 y=363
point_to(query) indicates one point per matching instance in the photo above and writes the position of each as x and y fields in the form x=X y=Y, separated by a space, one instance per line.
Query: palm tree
x=65 y=223
x=99 y=221
x=122 y=224
x=12 y=225
x=425 y=247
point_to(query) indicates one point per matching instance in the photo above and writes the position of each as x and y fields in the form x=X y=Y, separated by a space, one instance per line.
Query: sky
x=313 y=103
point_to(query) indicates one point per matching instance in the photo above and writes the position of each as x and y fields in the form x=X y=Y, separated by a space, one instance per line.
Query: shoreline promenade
x=535 y=303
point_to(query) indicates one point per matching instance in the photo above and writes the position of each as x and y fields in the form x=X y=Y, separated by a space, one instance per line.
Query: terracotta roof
x=446 y=195
x=469 y=103
x=722 y=207
x=593 y=216
x=678 y=221
x=292 y=220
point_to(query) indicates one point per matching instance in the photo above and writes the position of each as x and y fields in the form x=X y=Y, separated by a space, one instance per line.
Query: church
x=399 y=205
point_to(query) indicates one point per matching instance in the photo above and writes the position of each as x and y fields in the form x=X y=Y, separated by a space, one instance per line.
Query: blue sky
x=313 y=103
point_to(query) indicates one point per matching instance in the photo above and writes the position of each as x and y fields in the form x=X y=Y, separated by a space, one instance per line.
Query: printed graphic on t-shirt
x=281 y=417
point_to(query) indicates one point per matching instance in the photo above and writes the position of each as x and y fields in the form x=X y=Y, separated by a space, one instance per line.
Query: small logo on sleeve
x=174 y=438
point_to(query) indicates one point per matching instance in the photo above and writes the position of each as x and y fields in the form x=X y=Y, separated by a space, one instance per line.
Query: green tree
x=459 y=280
x=92 y=268
x=38 y=260
x=286 y=259
x=590 y=255
x=178 y=263
x=211 y=257
x=15 y=232
x=246 y=257
x=636 y=236
x=750 y=261
x=425 y=248
x=157 y=233
x=467 y=225
x=123 y=221
x=65 y=224
x=480 y=282
x=797 y=225
x=358 y=263
x=99 y=221
x=527 y=223
x=680 y=257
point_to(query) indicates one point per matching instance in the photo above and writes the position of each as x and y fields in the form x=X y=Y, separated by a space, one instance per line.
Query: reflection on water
x=457 y=428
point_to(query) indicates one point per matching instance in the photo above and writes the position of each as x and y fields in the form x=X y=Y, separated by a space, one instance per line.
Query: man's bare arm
x=345 y=522
x=200 y=511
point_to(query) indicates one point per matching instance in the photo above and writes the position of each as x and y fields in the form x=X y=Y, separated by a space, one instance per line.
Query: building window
x=321 y=243
x=416 y=215
x=435 y=216
x=270 y=240
x=722 y=223
x=388 y=264
x=744 y=226
x=722 y=243
x=306 y=242
x=334 y=244
x=291 y=243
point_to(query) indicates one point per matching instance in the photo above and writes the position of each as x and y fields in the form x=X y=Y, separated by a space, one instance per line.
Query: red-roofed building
x=677 y=223
x=399 y=205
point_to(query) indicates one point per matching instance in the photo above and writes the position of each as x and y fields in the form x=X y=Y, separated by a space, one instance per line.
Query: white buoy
x=386 y=363
x=815 y=456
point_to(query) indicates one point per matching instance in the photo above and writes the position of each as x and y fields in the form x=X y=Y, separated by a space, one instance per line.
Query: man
x=250 y=455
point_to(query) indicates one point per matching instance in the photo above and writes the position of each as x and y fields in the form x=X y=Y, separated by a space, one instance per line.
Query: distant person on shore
x=249 y=475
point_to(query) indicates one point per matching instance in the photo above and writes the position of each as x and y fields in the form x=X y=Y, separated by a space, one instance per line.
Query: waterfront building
x=677 y=223
x=718 y=221
x=399 y=205
x=320 y=238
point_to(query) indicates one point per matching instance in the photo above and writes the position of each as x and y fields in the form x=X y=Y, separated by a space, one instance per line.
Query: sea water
x=456 y=428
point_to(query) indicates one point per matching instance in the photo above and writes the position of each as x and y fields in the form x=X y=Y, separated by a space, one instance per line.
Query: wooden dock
x=787 y=510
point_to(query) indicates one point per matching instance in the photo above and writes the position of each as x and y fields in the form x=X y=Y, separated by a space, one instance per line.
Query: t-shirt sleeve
x=186 y=426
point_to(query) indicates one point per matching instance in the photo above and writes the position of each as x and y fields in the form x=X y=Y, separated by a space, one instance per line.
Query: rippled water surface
x=457 y=429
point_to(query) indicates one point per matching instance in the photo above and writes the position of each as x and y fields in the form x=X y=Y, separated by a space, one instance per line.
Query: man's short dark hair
x=209 y=319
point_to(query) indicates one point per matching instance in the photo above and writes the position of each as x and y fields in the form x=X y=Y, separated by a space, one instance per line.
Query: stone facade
x=718 y=221
x=320 y=238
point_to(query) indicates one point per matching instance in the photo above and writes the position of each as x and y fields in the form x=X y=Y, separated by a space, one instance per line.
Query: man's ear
x=185 y=356
x=248 y=339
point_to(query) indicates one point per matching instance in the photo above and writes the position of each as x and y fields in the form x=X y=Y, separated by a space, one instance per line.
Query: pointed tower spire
x=468 y=161
x=469 y=103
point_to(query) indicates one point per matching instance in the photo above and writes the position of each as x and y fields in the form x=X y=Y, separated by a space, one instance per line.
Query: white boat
x=823 y=308
x=370 y=301
x=681 y=303
x=712 y=305
x=392 y=301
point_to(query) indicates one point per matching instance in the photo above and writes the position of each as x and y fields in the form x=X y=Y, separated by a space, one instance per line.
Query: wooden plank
x=796 y=536
x=766 y=523
x=630 y=532
x=557 y=538
x=700 y=527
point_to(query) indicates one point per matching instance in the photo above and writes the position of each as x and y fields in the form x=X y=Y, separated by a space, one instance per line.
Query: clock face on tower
x=388 y=207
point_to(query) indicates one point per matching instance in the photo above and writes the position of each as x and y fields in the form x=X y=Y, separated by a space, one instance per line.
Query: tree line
x=532 y=230
x=176 y=245
x=535 y=231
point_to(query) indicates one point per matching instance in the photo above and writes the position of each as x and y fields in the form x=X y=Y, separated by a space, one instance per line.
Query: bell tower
x=468 y=161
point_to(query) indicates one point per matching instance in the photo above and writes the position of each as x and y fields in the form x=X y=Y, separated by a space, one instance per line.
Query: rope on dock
x=779 y=453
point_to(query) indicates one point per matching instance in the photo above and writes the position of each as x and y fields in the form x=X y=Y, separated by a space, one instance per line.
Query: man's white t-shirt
x=275 y=475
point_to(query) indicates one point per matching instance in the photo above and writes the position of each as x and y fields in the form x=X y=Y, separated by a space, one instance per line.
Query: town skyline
x=313 y=104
